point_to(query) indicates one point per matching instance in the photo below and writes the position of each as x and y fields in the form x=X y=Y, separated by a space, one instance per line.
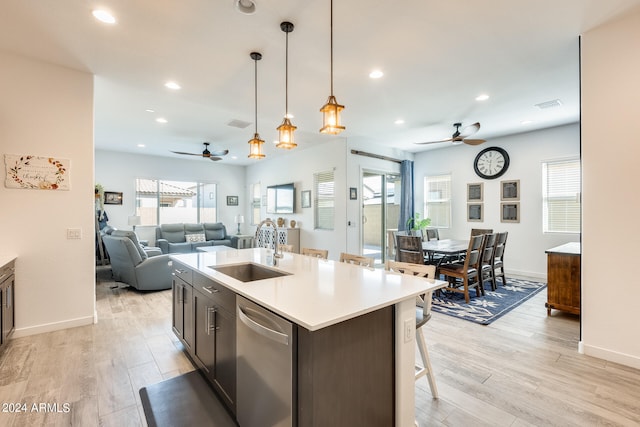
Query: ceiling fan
x=459 y=137
x=213 y=155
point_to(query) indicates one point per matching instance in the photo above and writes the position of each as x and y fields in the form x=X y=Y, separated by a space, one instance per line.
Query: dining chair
x=284 y=248
x=423 y=314
x=479 y=231
x=356 y=259
x=498 y=258
x=409 y=249
x=318 y=253
x=488 y=250
x=432 y=234
x=466 y=274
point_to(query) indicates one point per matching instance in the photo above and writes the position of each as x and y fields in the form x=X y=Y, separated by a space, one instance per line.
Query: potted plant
x=417 y=224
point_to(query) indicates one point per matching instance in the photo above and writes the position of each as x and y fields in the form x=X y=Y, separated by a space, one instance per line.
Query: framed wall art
x=475 y=192
x=475 y=212
x=510 y=190
x=112 y=198
x=232 y=200
x=510 y=212
x=305 y=199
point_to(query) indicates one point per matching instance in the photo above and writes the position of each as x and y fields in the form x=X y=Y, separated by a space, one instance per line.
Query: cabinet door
x=182 y=312
x=204 y=348
x=8 y=308
x=225 y=357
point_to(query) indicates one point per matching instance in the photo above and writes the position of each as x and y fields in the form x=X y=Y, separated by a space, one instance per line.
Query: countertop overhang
x=317 y=293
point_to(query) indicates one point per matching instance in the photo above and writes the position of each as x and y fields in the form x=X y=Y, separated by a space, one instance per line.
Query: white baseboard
x=611 y=356
x=50 y=327
x=526 y=275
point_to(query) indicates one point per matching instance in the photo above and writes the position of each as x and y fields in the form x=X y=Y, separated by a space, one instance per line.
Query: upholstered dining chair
x=356 y=259
x=488 y=249
x=318 y=253
x=466 y=274
x=284 y=248
x=423 y=314
x=480 y=231
x=498 y=258
x=431 y=234
x=409 y=249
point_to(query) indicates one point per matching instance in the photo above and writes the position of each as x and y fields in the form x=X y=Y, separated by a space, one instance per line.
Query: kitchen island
x=353 y=351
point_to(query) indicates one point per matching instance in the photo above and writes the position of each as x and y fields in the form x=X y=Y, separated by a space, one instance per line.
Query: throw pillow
x=195 y=237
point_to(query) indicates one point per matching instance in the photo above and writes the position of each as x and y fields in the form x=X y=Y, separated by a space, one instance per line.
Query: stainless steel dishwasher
x=265 y=346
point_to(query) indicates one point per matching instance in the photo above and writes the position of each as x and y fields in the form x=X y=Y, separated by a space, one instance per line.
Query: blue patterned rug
x=486 y=309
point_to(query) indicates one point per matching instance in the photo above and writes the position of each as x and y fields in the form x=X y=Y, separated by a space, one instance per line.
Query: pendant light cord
x=255 y=94
x=286 y=76
x=331 y=31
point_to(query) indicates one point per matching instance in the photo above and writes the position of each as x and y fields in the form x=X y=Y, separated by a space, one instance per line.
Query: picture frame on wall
x=305 y=199
x=510 y=190
x=475 y=192
x=510 y=212
x=112 y=198
x=475 y=212
x=232 y=200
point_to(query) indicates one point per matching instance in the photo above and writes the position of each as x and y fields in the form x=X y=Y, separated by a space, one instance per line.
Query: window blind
x=561 y=196
x=437 y=200
x=324 y=206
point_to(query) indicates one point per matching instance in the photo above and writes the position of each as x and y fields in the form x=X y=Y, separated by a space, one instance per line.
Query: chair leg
x=427 y=370
x=465 y=282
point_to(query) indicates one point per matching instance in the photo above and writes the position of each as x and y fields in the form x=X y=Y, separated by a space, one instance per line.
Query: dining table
x=448 y=248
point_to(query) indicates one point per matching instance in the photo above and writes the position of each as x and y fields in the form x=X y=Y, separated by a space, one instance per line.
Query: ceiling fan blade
x=215 y=159
x=220 y=153
x=473 y=141
x=186 y=154
x=434 y=142
x=469 y=130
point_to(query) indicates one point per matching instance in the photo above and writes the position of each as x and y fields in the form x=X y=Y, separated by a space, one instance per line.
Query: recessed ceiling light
x=141 y=145
x=526 y=122
x=376 y=74
x=161 y=120
x=234 y=157
x=172 y=85
x=149 y=110
x=399 y=122
x=104 y=16
x=246 y=7
x=482 y=97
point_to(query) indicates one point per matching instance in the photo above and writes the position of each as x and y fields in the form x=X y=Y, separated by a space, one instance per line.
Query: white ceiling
x=437 y=56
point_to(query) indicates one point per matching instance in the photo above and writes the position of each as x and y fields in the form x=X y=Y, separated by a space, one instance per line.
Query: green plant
x=416 y=223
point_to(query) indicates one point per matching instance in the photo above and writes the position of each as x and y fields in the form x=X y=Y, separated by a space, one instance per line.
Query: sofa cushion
x=173 y=233
x=195 y=237
x=215 y=231
x=193 y=228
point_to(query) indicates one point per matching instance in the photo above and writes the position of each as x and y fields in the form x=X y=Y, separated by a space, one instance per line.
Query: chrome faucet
x=276 y=255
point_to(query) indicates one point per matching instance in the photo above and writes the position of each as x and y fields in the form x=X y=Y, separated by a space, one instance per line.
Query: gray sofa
x=131 y=264
x=185 y=238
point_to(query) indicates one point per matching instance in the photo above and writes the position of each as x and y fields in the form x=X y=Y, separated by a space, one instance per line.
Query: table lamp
x=239 y=219
x=133 y=220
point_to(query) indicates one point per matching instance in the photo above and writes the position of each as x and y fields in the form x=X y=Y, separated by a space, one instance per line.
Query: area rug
x=492 y=306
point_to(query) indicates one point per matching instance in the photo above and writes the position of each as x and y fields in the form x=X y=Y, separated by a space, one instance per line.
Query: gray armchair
x=130 y=264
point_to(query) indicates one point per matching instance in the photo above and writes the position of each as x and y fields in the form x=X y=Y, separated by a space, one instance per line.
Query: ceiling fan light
x=255 y=147
x=331 y=117
x=285 y=135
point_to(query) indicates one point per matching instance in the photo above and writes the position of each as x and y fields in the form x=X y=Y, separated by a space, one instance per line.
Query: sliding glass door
x=380 y=212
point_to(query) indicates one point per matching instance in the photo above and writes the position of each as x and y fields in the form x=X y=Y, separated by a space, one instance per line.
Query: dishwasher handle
x=261 y=329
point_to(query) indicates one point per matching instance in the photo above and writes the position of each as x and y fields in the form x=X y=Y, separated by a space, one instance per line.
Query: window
x=437 y=200
x=165 y=202
x=255 y=203
x=323 y=184
x=561 y=196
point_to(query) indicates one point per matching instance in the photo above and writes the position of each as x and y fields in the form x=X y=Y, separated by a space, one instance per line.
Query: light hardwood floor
x=522 y=370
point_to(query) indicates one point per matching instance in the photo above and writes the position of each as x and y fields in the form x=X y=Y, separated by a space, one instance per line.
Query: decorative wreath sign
x=36 y=173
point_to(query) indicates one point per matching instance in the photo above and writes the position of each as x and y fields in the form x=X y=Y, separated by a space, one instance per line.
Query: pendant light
x=255 y=145
x=331 y=110
x=286 y=129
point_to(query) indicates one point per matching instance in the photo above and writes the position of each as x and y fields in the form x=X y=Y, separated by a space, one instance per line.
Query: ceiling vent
x=240 y=124
x=549 y=104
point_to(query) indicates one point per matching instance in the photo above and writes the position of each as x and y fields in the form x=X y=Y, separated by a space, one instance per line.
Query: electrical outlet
x=74 y=233
x=409 y=329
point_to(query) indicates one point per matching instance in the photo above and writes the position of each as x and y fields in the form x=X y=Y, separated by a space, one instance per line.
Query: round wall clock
x=491 y=163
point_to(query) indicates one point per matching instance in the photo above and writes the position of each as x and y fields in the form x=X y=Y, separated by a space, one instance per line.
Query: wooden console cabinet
x=7 y=308
x=563 y=278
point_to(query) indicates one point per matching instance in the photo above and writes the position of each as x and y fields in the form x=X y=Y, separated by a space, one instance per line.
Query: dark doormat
x=184 y=401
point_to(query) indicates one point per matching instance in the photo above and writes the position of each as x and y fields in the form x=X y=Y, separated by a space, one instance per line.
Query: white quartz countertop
x=6 y=258
x=317 y=293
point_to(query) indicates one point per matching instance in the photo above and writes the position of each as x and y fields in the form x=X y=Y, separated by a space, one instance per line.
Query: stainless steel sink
x=248 y=272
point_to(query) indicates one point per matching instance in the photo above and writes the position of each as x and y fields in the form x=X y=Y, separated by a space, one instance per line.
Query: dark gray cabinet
x=182 y=305
x=7 y=309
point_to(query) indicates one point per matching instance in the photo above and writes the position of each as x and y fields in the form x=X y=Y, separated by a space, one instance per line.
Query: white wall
x=46 y=110
x=118 y=172
x=298 y=166
x=610 y=151
x=526 y=243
